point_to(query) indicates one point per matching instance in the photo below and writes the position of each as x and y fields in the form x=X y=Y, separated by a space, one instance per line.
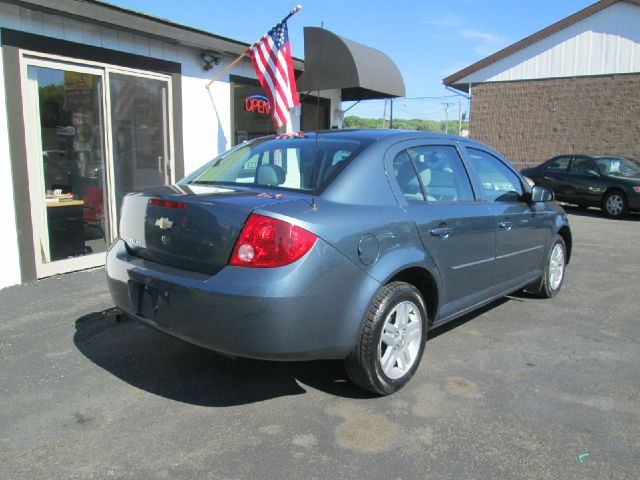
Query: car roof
x=373 y=134
x=587 y=155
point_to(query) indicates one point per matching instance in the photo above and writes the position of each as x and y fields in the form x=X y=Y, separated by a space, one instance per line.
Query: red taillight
x=267 y=242
x=159 y=202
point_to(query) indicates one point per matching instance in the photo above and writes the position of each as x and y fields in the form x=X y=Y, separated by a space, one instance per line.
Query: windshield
x=617 y=166
x=304 y=163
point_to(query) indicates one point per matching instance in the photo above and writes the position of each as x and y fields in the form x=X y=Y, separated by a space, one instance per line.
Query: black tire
x=363 y=365
x=615 y=204
x=549 y=286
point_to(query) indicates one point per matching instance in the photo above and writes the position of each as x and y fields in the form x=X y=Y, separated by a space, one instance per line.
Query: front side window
x=618 y=166
x=304 y=163
x=582 y=166
x=499 y=182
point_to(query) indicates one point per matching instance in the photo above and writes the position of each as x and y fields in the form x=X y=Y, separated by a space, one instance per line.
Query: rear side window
x=442 y=173
x=558 y=165
x=407 y=178
x=499 y=182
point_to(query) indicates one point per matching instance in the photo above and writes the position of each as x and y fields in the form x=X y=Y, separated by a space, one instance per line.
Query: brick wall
x=531 y=121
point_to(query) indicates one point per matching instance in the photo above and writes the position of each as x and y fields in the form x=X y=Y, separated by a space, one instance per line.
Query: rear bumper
x=311 y=309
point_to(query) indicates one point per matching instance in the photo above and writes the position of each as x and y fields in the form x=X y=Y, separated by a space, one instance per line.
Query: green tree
x=353 y=121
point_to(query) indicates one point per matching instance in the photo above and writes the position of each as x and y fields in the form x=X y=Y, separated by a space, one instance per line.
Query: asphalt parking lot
x=523 y=389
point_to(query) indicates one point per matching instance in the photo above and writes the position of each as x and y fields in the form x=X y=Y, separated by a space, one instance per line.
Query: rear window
x=304 y=163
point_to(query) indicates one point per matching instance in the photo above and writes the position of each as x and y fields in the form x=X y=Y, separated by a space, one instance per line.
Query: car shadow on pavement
x=172 y=368
x=447 y=327
x=596 y=213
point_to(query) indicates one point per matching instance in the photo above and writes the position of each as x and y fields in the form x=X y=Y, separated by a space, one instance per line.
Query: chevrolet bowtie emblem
x=164 y=223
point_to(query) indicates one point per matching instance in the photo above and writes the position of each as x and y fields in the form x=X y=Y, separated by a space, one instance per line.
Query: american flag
x=271 y=57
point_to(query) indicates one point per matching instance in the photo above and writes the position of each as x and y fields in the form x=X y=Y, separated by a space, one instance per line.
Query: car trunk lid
x=193 y=227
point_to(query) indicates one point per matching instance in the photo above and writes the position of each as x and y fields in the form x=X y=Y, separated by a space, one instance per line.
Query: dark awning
x=361 y=72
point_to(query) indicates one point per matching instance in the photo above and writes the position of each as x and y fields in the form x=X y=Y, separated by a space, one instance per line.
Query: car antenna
x=314 y=206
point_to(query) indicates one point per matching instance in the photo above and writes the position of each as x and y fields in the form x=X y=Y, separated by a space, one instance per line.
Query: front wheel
x=392 y=340
x=615 y=204
x=553 y=276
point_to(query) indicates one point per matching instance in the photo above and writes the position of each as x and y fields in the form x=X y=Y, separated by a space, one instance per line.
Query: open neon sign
x=257 y=104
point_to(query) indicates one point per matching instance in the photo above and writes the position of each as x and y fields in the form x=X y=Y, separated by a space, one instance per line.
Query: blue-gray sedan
x=336 y=245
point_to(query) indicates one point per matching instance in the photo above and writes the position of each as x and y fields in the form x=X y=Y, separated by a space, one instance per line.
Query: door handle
x=442 y=232
x=506 y=225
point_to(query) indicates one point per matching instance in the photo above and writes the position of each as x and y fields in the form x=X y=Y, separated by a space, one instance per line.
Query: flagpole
x=242 y=55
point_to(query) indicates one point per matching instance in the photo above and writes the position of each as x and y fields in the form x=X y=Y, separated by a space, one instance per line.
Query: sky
x=428 y=40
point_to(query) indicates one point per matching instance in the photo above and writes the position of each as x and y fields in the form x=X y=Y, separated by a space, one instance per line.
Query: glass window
x=617 y=166
x=71 y=133
x=140 y=133
x=251 y=111
x=558 y=165
x=407 y=177
x=442 y=173
x=582 y=166
x=499 y=182
x=306 y=163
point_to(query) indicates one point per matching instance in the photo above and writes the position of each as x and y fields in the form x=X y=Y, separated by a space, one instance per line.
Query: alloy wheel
x=556 y=266
x=400 y=340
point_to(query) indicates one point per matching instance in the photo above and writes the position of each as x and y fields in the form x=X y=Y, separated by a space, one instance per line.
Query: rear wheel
x=553 y=276
x=392 y=340
x=615 y=204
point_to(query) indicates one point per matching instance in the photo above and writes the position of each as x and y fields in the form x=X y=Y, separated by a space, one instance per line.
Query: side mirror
x=541 y=194
x=592 y=173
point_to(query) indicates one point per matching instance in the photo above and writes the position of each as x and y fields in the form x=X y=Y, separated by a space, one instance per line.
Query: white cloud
x=488 y=43
x=483 y=43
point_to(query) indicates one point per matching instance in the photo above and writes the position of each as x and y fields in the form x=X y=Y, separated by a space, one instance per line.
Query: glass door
x=140 y=133
x=65 y=134
x=94 y=134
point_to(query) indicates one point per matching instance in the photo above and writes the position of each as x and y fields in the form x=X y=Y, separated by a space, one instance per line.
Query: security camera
x=210 y=59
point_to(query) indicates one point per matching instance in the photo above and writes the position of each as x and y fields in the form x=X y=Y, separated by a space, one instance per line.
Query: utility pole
x=459 y=117
x=446 y=116
x=391 y=119
x=384 y=113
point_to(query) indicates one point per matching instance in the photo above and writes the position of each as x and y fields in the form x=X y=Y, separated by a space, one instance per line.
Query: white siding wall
x=604 y=43
x=10 y=271
x=206 y=113
x=205 y=133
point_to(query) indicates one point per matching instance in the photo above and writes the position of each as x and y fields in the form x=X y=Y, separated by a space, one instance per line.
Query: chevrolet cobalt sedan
x=336 y=245
x=604 y=181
